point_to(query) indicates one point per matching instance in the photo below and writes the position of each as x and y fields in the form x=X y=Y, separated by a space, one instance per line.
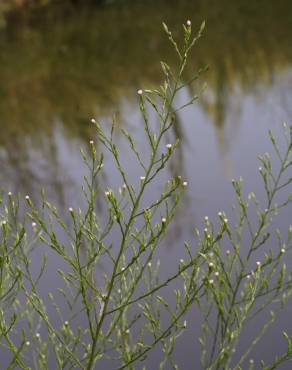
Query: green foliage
x=120 y=315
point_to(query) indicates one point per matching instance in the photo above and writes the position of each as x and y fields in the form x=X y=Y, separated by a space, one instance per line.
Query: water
x=60 y=67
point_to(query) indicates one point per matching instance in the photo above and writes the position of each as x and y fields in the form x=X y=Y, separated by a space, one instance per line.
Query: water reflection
x=65 y=65
x=62 y=66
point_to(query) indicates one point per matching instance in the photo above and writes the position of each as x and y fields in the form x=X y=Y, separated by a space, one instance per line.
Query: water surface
x=63 y=65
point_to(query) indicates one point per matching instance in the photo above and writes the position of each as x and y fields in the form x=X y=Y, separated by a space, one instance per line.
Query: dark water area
x=62 y=65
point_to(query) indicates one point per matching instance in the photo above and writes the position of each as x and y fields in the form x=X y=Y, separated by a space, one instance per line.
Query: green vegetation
x=112 y=307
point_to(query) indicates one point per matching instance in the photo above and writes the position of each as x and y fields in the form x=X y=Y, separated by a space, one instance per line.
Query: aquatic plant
x=112 y=306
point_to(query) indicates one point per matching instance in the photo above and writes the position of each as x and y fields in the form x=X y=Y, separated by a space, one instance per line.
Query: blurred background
x=65 y=61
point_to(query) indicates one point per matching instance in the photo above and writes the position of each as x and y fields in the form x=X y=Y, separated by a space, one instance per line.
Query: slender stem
x=130 y=222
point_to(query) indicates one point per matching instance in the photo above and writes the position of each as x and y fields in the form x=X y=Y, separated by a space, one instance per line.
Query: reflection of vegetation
x=8 y=7
x=64 y=63
x=82 y=65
